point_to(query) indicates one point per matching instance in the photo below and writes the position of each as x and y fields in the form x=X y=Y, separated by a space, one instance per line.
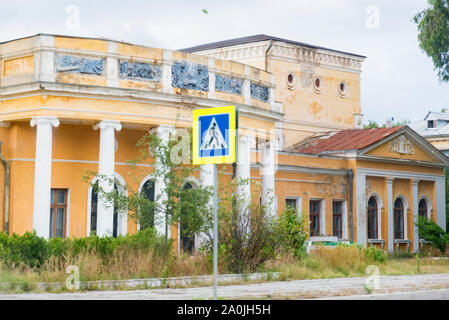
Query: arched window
x=187 y=240
x=146 y=218
x=398 y=215
x=372 y=218
x=422 y=208
x=94 y=211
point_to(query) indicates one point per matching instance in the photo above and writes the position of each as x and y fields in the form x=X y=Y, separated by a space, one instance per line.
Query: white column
x=390 y=214
x=268 y=192
x=415 y=214
x=163 y=132
x=440 y=195
x=361 y=208
x=244 y=171
x=106 y=169
x=42 y=174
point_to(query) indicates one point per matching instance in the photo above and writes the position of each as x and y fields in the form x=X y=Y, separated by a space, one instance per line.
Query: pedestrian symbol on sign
x=213 y=138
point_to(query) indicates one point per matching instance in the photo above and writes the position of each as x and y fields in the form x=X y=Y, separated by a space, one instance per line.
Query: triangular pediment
x=405 y=144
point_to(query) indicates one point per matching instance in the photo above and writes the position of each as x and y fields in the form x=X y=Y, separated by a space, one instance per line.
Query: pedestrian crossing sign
x=214 y=132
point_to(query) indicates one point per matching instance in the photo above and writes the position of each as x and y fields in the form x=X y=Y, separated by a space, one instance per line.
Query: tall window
x=372 y=218
x=422 y=208
x=94 y=211
x=58 y=213
x=337 y=219
x=93 y=208
x=147 y=218
x=315 y=217
x=187 y=239
x=398 y=219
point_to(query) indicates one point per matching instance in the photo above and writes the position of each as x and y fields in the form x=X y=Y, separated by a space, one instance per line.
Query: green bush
x=430 y=231
x=375 y=254
x=292 y=232
x=29 y=250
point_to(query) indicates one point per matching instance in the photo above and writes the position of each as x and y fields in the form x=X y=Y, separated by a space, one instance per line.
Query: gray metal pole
x=215 y=230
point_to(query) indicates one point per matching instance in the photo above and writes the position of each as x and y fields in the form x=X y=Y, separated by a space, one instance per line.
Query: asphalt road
x=403 y=287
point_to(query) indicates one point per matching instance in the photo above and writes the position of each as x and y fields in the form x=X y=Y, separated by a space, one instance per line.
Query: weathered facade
x=69 y=104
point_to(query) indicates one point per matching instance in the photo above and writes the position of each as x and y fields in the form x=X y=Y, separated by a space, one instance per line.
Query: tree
x=189 y=206
x=433 y=35
x=373 y=124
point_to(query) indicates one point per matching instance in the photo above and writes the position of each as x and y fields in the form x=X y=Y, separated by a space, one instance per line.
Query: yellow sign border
x=232 y=111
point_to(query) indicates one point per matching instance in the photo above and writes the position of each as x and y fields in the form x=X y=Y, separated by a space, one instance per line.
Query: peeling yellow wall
x=304 y=104
x=18 y=66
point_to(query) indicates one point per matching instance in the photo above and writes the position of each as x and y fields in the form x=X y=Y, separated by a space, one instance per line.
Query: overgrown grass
x=141 y=256
x=352 y=261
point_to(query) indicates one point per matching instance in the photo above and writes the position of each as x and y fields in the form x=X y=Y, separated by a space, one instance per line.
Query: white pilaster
x=247 y=86
x=106 y=169
x=268 y=170
x=112 y=69
x=440 y=202
x=244 y=171
x=361 y=207
x=42 y=174
x=45 y=68
x=211 y=68
x=166 y=72
x=390 y=214
x=271 y=93
x=163 y=132
x=415 y=214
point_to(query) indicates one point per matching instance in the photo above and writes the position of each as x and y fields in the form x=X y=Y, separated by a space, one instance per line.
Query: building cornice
x=129 y=95
x=289 y=52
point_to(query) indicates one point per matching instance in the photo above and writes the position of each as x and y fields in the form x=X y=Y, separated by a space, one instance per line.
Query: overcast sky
x=398 y=80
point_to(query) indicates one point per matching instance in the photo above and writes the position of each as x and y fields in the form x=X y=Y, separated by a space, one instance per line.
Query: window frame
x=55 y=206
x=318 y=214
x=372 y=211
x=398 y=213
x=334 y=214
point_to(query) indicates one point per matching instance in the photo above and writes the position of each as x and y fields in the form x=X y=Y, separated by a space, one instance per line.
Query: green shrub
x=26 y=250
x=375 y=254
x=430 y=231
x=29 y=250
x=292 y=232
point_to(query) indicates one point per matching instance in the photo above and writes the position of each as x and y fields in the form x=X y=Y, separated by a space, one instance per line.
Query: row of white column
x=42 y=173
x=106 y=169
x=362 y=210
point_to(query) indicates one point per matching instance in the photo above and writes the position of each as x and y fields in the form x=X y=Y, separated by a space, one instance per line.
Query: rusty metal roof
x=342 y=140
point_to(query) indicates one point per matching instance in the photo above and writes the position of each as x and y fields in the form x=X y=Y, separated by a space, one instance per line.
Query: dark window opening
x=337 y=219
x=398 y=219
x=290 y=203
x=94 y=211
x=372 y=218
x=187 y=239
x=146 y=217
x=314 y=217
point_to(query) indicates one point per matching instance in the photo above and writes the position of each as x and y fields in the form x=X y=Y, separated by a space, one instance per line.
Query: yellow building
x=71 y=104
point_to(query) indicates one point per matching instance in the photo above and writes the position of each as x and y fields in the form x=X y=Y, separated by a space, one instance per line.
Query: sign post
x=214 y=142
